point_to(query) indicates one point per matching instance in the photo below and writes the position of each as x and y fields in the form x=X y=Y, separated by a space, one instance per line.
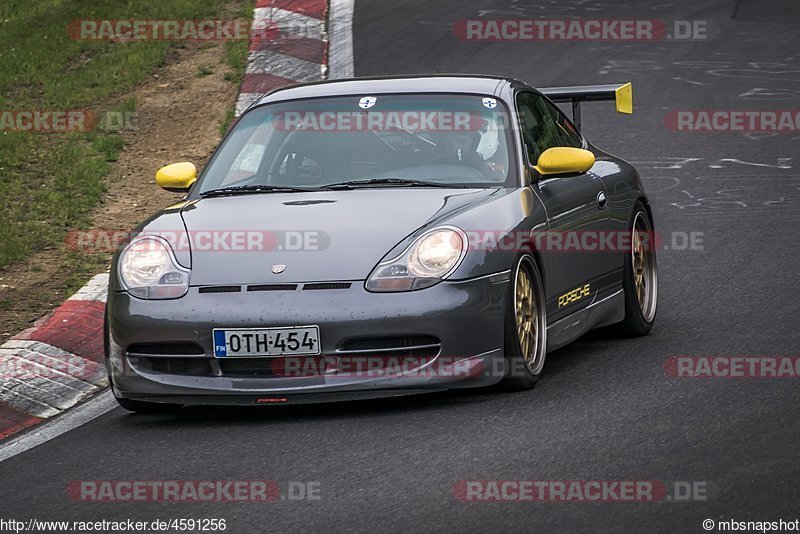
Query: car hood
x=317 y=236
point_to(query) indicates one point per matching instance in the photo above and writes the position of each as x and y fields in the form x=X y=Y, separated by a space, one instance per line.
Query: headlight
x=429 y=260
x=148 y=270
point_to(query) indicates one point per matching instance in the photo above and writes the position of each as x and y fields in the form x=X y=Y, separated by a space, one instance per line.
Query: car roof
x=442 y=83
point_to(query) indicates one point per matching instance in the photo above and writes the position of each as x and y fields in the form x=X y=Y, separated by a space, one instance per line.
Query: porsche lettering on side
x=381 y=237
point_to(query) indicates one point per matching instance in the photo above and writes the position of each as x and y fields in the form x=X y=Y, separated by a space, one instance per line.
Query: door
x=576 y=210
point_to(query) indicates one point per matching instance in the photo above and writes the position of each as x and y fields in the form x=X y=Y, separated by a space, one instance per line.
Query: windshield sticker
x=490 y=103
x=367 y=102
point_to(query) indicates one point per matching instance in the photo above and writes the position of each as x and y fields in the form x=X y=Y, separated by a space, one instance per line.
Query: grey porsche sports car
x=381 y=237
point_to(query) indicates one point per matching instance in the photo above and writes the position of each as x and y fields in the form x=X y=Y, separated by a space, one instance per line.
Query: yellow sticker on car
x=575 y=295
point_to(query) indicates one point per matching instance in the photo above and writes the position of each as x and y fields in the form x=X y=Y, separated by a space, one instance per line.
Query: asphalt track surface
x=605 y=408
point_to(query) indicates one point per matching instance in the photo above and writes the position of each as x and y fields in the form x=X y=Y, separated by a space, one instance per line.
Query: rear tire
x=525 y=344
x=640 y=277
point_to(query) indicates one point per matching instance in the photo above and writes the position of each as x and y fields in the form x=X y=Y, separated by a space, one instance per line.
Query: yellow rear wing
x=622 y=95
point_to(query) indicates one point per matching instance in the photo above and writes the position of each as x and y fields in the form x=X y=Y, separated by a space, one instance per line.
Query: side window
x=537 y=125
x=567 y=133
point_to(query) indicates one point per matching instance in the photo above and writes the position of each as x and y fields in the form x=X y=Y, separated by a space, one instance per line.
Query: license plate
x=243 y=343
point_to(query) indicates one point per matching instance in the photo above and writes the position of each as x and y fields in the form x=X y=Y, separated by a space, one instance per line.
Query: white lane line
x=340 y=34
x=71 y=420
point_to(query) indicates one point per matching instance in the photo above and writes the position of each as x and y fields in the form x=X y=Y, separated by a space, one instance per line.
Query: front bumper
x=466 y=318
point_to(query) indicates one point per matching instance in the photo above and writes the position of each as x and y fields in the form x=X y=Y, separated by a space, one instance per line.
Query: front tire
x=525 y=326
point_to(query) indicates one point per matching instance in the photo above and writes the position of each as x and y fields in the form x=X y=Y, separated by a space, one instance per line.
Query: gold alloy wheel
x=526 y=313
x=643 y=261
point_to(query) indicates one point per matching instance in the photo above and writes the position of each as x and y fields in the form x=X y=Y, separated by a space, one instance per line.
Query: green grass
x=236 y=58
x=204 y=70
x=226 y=122
x=51 y=182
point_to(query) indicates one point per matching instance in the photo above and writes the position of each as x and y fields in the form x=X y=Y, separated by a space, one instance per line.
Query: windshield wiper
x=384 y=181
x=254 y=189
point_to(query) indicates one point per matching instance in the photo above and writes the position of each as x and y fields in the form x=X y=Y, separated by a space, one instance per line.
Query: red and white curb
x=289 y=46
x=55 y=364
x=297 y=41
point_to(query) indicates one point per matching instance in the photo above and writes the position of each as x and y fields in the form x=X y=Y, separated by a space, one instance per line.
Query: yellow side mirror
x=564 y=160
x=177 y=177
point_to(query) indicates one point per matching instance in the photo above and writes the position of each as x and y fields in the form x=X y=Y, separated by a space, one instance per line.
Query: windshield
x=379 y=141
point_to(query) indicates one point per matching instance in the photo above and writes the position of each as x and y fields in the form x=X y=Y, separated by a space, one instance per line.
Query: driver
x=458 y=148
